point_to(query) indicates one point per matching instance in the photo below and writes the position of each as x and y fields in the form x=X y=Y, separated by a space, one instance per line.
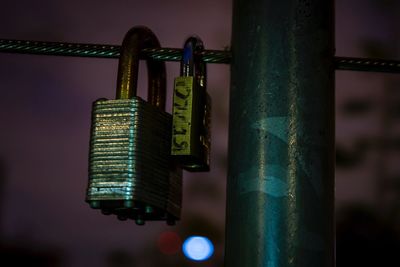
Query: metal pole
x=280 y=192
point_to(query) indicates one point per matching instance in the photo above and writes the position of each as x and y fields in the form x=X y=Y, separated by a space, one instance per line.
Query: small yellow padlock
x=191 y=110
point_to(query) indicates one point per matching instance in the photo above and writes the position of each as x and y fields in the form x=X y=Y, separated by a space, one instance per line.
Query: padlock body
x=129 y=162
x=191 y=109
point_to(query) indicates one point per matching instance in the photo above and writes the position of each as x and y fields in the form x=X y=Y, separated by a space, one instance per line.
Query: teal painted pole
x=280 y=191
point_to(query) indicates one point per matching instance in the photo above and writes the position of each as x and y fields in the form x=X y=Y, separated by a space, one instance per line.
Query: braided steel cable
x=171 y=54
x=102 y=51
x=367 y=64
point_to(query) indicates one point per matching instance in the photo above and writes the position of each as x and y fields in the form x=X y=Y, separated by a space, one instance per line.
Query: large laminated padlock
x=131 y=172
x=191 y=110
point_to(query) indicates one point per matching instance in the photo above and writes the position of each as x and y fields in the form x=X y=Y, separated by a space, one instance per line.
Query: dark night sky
x=46 y=101
x=46 y=104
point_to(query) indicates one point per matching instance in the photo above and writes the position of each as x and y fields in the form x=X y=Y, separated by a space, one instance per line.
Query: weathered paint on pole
x=280 y=193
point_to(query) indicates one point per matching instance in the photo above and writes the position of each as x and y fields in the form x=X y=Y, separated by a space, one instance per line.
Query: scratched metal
x=130 y=155
x=281 y=135
x=131 y=173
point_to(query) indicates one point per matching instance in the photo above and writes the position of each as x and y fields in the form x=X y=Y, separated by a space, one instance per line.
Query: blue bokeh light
x=198 y=248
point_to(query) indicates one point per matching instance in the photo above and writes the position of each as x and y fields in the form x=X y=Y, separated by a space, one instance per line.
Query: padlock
x=131 y=172
x=191 y=110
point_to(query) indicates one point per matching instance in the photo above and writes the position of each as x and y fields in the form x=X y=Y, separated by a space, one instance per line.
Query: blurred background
x=45 y=108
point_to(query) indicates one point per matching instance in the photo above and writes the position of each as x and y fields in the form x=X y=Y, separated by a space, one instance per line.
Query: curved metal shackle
x=191 y=64
x=136 y=39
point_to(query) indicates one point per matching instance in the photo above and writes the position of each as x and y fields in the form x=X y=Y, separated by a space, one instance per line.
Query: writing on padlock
x=131 y=173
x=191 y=110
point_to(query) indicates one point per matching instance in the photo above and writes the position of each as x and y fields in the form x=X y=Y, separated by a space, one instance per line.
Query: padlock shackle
x=136 y=39
x=191 y=63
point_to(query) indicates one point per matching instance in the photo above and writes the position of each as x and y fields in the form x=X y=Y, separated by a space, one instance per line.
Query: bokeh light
x=198 y=248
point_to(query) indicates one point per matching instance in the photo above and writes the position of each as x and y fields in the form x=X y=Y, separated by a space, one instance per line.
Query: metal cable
x=171 y=54
x=102 y=51
x=367 y=64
